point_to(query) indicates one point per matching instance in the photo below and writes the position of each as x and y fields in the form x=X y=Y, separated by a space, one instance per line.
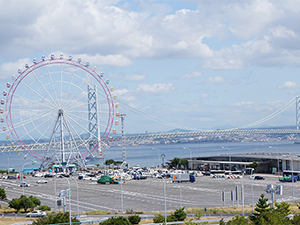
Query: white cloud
x=131 y=77
x=288 y=85
x=215 y=80
x=125 y=94
x=194 y=74
x=282 y=32
x=155 y=88
x=204 y=95
x=11 y=68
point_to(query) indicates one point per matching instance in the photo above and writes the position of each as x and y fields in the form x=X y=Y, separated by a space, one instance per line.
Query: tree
x=183 y=162
x=44 y=208
x=180 y=214
x=254 y=164
x=26 y=203
x=109 y=162
x=174 y=162
x=283 y=208
x=238 y=220
x=118 y=163
x=2 y=194
x=260 y=208
x=15 y=204
x=35 y=201
x=265 y=215
x=52 y=219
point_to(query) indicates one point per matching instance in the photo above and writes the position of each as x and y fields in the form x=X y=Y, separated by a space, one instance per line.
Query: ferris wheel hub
x=60 y=112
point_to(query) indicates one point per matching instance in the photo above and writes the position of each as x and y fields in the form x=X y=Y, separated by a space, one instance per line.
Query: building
x=268 y=162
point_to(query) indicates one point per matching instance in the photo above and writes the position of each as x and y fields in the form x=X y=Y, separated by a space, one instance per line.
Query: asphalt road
x=148 y=195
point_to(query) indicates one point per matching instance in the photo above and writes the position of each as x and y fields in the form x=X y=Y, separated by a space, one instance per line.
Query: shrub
x=44 y=208
x=171 y=218
x=158 y=218
x=135 y=219
x=179 y=214
x=2 y=194
x=120 y=220
x=59 y=218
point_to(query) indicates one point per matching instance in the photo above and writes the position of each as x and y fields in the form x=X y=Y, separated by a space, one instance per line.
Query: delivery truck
x=183 y=177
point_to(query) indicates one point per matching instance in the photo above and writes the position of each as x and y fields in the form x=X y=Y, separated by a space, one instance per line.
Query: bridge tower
x=297 y=117
x=94 y=129
x=122 y=116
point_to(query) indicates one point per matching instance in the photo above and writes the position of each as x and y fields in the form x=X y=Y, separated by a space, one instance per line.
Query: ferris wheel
x=59 y=110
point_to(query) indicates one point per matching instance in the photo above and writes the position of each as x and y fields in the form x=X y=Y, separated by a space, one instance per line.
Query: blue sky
x=198 y=64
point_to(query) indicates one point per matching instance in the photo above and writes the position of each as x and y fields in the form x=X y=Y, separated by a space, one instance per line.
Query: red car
x=19 y=176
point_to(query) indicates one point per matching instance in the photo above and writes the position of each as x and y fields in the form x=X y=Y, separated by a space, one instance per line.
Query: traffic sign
x=69 y=192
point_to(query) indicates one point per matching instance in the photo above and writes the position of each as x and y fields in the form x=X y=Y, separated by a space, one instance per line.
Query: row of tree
x=266 y=215
x=178 y=163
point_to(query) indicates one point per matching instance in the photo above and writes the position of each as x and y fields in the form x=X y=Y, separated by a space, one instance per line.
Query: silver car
x=36 y=213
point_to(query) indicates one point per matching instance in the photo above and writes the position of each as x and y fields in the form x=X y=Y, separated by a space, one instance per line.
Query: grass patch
x=9 y=221
x=98 y=212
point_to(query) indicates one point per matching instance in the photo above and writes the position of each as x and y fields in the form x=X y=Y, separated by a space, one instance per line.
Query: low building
x=268 y=162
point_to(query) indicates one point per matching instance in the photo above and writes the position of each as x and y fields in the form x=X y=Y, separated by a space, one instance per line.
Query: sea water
x=150 y=155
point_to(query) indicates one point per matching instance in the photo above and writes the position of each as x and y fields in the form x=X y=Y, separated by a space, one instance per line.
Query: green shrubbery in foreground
x=265 y=215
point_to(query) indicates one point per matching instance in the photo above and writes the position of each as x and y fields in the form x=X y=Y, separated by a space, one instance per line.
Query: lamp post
x=121 y=194
x=8 y=163
x=229 y=157
x=69 y=199
x=292 y=177
x=180 y=191
x=33 y=162
x=277 y=159
x=190 y=157
x=252 y=189
x=158 y=154
x=165 y=203
x=77 y=195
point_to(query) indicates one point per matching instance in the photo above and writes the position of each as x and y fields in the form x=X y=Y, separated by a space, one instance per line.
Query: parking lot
x=148 y=195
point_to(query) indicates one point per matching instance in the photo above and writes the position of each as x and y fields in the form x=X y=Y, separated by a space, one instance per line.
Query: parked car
x=42 y=181
x=12 y=177
x=36 y=213
x=38 y=175
x=48 y=175
x=259 y=178
x=24 y=184
x=19 y=176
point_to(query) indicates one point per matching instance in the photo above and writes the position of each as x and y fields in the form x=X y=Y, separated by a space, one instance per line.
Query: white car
x=24 y=184
x=39 y=175
x=36 y=213
x=42 y=181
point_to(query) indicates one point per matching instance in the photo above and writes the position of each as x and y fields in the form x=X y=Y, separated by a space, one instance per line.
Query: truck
x=183 y=177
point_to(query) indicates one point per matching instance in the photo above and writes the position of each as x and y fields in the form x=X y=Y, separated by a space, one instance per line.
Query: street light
x=292 y=176
x=229 y=157
x=252 y=189
x=33 y=162
x=190 y=157
x=69 y=200
x=121 y=179
x=277 y=159
x=77 y=195
x=158 y=154
x=8 y=163
x=165 y=203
